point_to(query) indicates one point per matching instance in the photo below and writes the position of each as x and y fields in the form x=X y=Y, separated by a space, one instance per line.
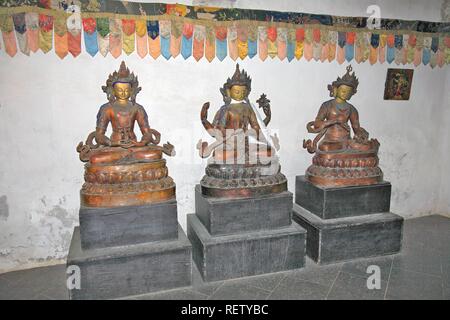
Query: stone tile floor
x=420 y=271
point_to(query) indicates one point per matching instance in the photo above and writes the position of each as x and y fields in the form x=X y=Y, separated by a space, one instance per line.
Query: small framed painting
x=398 y=84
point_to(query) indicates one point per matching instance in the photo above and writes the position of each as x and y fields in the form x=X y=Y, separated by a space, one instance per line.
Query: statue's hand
x=204 y=112
x=362 y=135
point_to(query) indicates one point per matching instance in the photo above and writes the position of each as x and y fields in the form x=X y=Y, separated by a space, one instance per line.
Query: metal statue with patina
x=120 y=170
x=242 y=160
x=340 y=159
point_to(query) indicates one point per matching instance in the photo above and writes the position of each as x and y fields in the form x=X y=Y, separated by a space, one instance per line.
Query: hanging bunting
x=307 y=45
x=232 y=42
x=271 y=44
x=191 y=30
x=282 y=43
x=21 y=33
x=164 y=36
x=154 y=41
x=103 y=35
x=32 y=25
x=128 y=37
x=350 y=46
x=61 y=37
x=382 y=48
x=221 y=42
x=324 y=43
x=291 y=40
x=45 y=32
x=252 y=40
x=426 y=51
x=242 y=41
x=115 y=37
x=186 y=40
x=262 y=42
x=300 y=38
x=9 y=39
x=198 y=48
x=90 y=35
x=210 y=44
x=390 y=48
x=333 y=38
x=175 y=38
x=141 y=38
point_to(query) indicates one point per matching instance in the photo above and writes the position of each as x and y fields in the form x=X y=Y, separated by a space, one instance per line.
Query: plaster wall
x=48 y=105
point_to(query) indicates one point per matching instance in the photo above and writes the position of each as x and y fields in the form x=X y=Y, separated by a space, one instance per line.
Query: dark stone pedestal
x=106 y=227
x=122 y=271
x=333 y=202
x=224 y=216
x=348 y=222
x=127 y=251
x=234 y=238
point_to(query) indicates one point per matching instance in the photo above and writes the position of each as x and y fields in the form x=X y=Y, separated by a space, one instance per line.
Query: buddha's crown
x=122 y=76
x=348 y=79
x=239 y=78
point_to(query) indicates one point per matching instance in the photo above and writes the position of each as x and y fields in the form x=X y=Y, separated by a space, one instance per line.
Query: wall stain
x=62 y=215
x=4 y=208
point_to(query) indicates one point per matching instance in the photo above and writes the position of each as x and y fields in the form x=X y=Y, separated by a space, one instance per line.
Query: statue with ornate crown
x=129 y=241
x=242 y=160
x=120 y=170
x=340 y=159
x=342 y=200
x=243 y=193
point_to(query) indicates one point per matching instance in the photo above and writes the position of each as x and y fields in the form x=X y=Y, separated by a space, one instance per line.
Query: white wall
x=48 y=105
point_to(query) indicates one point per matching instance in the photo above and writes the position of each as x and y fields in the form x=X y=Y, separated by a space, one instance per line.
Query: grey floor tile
x=237 y=291
x=359 y=267
x=266 y=282
x=198 y=285
x=354 y=287
x=180 y=294
x=413 y=285
x=7 y=290
x=446 y=293
x=418 y=260
x=323 y=275
x=297 y=289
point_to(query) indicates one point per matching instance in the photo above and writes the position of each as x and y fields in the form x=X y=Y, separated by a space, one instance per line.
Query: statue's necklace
x=341 y=106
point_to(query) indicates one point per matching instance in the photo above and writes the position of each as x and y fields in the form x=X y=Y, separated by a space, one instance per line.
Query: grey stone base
x=107 y=227
x=228 y=216
x=130 y=270
x=339 y=202
x=335 y=240
x=245 y=254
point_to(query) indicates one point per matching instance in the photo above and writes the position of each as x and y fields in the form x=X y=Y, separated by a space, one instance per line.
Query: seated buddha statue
x=121 y=170
x=242 y=161
x=340 y=159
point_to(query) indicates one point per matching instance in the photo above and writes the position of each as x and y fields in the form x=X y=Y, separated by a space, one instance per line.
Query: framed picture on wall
x=398 y=84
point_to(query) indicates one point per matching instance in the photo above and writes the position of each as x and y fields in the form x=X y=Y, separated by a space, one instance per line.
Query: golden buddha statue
x=243 y=160
x=120 y=170
x=340 y=159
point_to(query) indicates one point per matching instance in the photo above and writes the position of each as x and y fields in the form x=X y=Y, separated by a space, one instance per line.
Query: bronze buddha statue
x=120 y=170
x=243 y=160
x=340 y=159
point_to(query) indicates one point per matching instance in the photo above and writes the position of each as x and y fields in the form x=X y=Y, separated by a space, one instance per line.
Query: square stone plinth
x=245 y=254
x=107 y=227
x=339 y=202
x=118 y=272
x=342 y=239
x=223 y=216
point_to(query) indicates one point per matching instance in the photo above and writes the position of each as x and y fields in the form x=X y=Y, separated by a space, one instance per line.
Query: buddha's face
x=122 y=91
x=238 y=93
x=344 y=92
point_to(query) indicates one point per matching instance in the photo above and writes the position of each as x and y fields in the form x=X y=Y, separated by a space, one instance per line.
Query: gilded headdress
x=239 y=78
x=122 y=76
x=349 y=79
